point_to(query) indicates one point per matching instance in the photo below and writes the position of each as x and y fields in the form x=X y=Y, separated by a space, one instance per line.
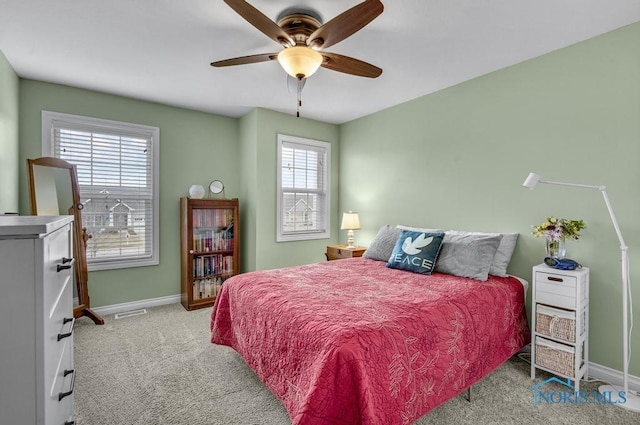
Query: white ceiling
x=160 y=50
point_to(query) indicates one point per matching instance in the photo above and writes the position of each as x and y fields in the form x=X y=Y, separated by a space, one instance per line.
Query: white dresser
x=36 y=320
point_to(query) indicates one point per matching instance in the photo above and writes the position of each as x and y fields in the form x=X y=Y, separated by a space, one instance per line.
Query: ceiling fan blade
x=264 y=57
x=261 y=22
x=349 y=65
x=345 y=24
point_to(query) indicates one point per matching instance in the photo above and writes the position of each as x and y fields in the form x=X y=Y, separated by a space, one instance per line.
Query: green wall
x=9 y=84
x=248 y=169
x=259 y=135
x=195 y=148
x=457 y=159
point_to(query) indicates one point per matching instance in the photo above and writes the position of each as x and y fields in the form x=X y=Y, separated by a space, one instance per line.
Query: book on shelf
x=207 y=288
x=219 y=217
x=214 y=264
x=209 y=240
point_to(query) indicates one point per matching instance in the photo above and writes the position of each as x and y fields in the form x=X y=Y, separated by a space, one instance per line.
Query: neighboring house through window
x=303 y=194
x=117 y=167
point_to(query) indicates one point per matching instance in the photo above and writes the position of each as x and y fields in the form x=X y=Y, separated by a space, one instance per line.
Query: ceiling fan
x=304 y=38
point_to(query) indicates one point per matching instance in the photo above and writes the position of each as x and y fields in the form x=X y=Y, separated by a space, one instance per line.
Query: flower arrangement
x=555 y=229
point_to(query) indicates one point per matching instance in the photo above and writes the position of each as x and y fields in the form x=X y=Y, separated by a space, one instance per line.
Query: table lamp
x=350 y=222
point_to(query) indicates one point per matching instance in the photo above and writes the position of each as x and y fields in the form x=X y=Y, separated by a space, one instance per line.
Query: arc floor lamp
x=632 y=401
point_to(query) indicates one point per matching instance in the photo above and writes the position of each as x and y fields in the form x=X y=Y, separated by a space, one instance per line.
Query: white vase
x=196 y=191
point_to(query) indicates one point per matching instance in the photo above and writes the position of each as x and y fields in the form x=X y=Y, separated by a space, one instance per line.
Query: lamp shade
x=350 y=221
x=531 y=181
x=300 y=61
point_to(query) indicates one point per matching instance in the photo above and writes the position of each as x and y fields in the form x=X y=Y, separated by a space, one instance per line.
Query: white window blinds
x=116 y=166
x=303 y=181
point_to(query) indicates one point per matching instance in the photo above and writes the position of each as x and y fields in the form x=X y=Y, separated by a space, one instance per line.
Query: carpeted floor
x=160 y=368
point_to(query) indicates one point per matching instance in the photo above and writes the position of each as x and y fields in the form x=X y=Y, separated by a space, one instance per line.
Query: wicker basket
x=556 y=323
x=555 y=357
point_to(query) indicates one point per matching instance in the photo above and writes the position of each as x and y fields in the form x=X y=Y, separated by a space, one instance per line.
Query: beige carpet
x=160 y=368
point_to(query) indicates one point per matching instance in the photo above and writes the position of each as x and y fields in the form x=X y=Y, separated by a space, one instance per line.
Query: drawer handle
x=66 y=320
x=555 y=279
x=73 y=383
x=67 y=263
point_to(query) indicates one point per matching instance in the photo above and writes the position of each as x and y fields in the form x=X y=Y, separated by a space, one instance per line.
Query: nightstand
x=560 y=322
x=337 y=252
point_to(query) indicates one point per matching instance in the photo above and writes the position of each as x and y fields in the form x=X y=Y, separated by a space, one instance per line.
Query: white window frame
x=116 y=127
x=316 y=145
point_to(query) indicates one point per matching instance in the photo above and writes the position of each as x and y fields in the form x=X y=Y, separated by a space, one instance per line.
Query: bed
x=353 y=341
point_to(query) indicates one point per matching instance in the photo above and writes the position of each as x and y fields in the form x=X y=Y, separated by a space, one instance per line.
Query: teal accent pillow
x=416 y=251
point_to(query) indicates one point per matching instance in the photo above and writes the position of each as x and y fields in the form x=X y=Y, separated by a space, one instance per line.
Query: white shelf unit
x=560 y=322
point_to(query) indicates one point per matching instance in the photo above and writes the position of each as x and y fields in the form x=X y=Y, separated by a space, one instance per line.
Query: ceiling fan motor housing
x=300 y=25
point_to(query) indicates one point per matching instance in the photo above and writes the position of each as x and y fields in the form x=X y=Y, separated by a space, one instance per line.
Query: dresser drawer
x=58 y=327
x=56 y=275
x=559 y=290
x=59 y=387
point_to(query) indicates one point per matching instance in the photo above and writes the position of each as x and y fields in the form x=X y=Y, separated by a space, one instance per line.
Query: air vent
x=131 y=313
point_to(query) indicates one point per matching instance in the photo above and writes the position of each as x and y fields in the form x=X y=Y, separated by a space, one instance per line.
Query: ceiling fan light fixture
x=300 y=61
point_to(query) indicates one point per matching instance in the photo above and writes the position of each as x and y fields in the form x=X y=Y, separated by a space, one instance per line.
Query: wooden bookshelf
x=209 y=247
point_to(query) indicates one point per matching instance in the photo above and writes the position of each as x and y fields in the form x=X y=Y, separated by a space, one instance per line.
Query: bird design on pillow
x=411 y=247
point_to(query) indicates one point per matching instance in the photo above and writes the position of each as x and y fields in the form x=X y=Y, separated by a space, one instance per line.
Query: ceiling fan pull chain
x=299 y=97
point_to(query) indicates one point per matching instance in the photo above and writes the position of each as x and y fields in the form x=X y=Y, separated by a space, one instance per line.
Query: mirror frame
x=80 y=236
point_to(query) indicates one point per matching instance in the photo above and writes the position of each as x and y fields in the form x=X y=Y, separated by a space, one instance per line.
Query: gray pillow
x=382 y=245
x=467 y=255
x=503 y=254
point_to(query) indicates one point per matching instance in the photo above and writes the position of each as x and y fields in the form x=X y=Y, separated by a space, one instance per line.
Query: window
x=117 y=167
x=303 y=194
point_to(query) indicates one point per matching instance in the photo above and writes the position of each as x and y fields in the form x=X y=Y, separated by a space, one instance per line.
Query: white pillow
x=418 y=229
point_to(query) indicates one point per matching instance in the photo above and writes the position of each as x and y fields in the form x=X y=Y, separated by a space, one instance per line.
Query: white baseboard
x=135 y=305
x=612 y=376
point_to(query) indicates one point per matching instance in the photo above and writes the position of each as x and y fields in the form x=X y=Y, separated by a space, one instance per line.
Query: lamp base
x=627 y=401
x=350 y=240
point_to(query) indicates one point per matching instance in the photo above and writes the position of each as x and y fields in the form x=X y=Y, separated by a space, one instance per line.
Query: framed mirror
x=54 y=190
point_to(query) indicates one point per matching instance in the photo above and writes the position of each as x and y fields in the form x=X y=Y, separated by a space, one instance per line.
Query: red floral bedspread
x=354 y=342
